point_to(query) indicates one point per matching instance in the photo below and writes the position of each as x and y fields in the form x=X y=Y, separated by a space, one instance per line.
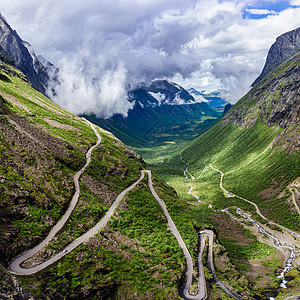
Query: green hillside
x=256 y=146
x=134 y=256
x=162 y=113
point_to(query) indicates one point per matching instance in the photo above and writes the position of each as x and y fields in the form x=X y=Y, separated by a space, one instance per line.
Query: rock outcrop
x=286 y=45
x=275 y=101
x=15 y=51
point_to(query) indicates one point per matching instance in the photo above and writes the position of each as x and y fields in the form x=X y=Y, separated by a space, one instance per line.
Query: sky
x=103 y=47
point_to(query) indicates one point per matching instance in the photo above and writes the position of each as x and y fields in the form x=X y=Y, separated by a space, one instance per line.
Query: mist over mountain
x=215 y=99
x=162 y=112
x=101 y=47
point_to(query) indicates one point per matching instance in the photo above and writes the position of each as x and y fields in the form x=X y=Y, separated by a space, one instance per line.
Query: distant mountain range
x=163 y=112
x=213 y=99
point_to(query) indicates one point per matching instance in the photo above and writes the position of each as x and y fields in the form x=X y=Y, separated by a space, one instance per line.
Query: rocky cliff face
x=286 y=45
x=20 y=53
x=5 y=57
x=275 y=101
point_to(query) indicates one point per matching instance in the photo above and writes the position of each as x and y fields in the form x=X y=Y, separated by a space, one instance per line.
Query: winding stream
x=292 y=257
x=288 y=265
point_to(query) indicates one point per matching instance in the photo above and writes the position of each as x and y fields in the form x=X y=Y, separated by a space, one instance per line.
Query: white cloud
x=295 y=2
x=255 y=11
x=102 y=47
x=99 y=91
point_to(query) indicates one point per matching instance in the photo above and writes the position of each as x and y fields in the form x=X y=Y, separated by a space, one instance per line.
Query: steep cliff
x=21 y=54
x=284 y=48
x=274 y=101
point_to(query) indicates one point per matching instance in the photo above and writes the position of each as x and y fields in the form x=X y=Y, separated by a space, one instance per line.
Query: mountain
x=163 y=112
x=42 y=146
x=227 y=107
x=165 y=93
x=285 y=46
x=249 y=161
x=21 y=55
x=43 y=149
x=213 y=99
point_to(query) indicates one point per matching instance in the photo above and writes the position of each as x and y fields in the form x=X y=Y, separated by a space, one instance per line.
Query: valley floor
x=250 y=244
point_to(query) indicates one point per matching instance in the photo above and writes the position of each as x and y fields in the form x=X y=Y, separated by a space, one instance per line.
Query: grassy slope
x=234 y=150
x=43 y=178
x=135 y=256
x=153 y=126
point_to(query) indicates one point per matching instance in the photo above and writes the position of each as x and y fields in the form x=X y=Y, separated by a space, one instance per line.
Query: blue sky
x=101 y=46
x=262 y=9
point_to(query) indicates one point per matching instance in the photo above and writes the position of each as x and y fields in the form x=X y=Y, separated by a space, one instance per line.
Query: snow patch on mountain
x=160 y=97
x=36 y=62
x=179 y=101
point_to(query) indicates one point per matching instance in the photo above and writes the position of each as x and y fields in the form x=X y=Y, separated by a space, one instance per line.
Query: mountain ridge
x=278 y=104
x=162 y=111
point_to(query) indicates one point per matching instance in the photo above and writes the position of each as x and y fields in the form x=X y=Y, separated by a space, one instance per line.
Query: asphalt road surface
x=14 y=266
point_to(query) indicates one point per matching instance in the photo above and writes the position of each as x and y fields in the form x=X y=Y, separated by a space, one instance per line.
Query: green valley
x=169 y=200
x=134 y=256
x=256 y=146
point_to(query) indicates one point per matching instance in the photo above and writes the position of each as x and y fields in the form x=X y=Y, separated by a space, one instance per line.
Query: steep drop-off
x=285 y=46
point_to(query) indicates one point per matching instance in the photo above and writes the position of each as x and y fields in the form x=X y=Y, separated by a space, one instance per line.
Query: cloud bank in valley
x=103 y=48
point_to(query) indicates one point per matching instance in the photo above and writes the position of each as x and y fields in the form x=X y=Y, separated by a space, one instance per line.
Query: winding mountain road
x=230 y=194
x=14 y=266
x=16 y=269
x=292 y=256
x=202 y=292
x=211 y=266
